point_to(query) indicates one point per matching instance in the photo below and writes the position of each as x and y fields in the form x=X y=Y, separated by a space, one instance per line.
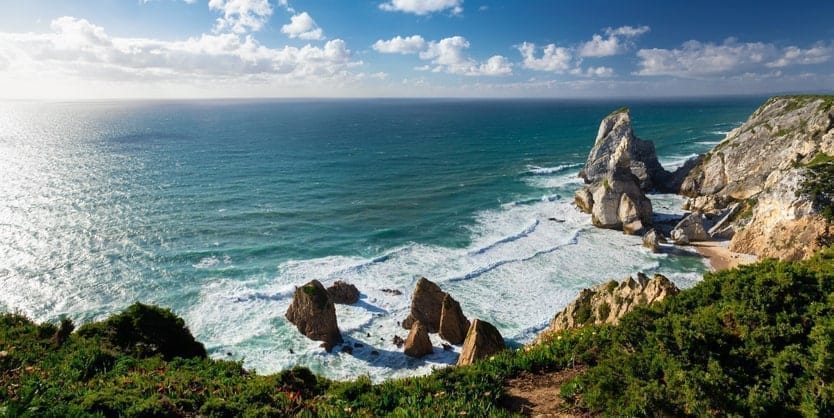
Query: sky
x=102 y=49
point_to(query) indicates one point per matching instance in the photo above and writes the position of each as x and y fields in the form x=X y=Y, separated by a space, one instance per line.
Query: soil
x=538 y=395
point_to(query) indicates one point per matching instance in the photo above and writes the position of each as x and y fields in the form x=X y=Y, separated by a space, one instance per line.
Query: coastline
x=720 y=257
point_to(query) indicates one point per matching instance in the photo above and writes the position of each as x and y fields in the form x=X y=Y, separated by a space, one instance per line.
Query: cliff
x=764 y=179
x=606 y=303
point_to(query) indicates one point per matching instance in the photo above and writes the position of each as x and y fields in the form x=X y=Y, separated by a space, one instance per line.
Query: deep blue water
x=217 y=208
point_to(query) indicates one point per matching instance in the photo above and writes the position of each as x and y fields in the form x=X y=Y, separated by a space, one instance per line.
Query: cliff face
x=606 y=303
x=760 y=167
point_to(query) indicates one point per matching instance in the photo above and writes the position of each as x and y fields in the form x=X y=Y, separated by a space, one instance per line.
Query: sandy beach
x=719 y=255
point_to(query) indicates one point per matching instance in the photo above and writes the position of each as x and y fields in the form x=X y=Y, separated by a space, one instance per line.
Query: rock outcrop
x=418 y=344
x=689 y=229
x=343 y=293
x=438 y=311
x=314 y=314
x=651 y=240
x=760 y=166
x=453 y=324
x=482 y=340
x=608 y=302
x=616 y=202
x=617 y=146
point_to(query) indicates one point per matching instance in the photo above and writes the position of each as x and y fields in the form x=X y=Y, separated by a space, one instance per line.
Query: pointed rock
x=453 y=324
x=313 y=313
x=426 y=305
x=482 y=340
x=418 y=344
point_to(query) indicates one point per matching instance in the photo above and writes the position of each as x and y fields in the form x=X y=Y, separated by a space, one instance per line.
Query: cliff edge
x=766 y=183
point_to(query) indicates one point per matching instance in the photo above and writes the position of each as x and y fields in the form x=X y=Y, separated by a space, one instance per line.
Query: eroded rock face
x=689 y=229
x=426 y=305
x=651 y=240
x=453 y=324
x=760 y=165
x=343 y=293
x=314 y=314
x=616 y=146
x=482 y=340
x=608 y=302
x=617 y=202
x=418 y=344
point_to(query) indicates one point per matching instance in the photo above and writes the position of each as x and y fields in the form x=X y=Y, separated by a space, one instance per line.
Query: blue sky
x=59 y=49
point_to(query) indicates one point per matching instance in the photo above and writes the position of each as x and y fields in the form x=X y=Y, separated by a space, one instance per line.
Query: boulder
x=584 y=199
x=314 y=314
x=343 y=293
x=426 y=305
x=482 y=340
x=418 y=344
x=690 y=229
x=617 y=202
x=616 y=145
x=652 y=241
x=453 y=324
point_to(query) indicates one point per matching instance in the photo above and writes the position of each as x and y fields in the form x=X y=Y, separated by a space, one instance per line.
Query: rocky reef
x=752 y=182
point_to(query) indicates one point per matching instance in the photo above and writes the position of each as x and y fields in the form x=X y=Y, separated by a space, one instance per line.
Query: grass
x=754 y=341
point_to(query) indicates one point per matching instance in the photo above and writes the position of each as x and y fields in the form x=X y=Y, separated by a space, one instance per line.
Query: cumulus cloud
x=399 y=45
x=303 y=26
x=616 y=41
x=241 y=16
x=449 y=55
x=696 y=59
x=554 y=59
x=79 y=49
x=423 y=7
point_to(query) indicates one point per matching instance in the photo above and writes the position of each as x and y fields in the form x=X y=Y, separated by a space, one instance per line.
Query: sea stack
x=314 y=314
x=482 y=340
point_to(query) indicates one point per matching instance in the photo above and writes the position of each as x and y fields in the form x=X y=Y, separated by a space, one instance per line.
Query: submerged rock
x=482 y=340
x=418 y=344
x=314 y=314
x=343 y=293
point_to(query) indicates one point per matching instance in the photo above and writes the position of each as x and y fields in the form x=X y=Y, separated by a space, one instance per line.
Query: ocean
x=218 y=209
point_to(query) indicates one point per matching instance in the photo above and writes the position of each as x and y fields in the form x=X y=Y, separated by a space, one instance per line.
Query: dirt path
x=538 y=394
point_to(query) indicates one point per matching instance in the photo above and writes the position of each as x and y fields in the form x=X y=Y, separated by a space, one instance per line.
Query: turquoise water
x=218 y=209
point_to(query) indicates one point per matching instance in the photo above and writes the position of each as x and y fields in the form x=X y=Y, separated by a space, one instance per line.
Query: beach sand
x=719 y=255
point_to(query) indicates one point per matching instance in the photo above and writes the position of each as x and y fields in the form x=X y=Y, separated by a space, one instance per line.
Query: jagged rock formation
x=689 y=229
x=418 y=344
x=619 y=169
x=616 y=146
x=759 y=167
x=608 y=302
x=314 y=314
x=343 y=293
x=482 y=340
x=437 y=311
x=453 y=324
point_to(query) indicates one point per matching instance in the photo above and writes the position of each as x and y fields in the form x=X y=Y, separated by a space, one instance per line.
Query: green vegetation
x=818 y=185
x=755 y=341
x=623 y=109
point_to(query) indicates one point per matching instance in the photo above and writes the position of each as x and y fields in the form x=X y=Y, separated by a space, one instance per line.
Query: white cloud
x=77 y=49
x=616 y=42
x=448 y=55
x=697 y=59
x=303 y=26
x=241 y=16
x=554 y=59
x=599 y=72
x=423 y=7
x=399 y=45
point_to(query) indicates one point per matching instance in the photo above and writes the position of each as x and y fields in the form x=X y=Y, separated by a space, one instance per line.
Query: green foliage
x=754 y=341
x=603 y=311
x=145 y=331
x=583 y=314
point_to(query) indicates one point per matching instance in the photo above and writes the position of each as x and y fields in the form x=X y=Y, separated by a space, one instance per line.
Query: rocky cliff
x=762 y=176
x=606 y=303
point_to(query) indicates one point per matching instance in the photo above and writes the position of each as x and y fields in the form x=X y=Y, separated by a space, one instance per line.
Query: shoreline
x=720 y=257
